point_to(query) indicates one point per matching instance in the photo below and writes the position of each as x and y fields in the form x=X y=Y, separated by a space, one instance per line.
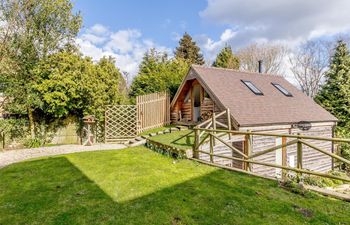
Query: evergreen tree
x=189 y=51
x=158 y=73
x=226 y=59
x=148 y=79
x=72 y=85
x=335 y=94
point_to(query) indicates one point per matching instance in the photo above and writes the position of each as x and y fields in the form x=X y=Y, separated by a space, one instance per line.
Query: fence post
x=229 y=123
x=214 y=126
x=211 y=147
x=248 y=140
x=299 y=154
x=284 y=158
x=196 y=143
x=105 y=132
x=333 y=133
x=3 y=140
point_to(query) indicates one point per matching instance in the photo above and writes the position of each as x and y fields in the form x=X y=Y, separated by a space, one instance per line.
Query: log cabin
x=256 y=102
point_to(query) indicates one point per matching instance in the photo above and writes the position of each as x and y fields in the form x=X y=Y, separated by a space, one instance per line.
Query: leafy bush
x=344 y=148
x=33 y=143
x=294 y=187
x=13 y=130
x=320 y=181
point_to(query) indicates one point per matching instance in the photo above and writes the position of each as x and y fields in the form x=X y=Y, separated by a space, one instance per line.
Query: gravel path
x=13 y=156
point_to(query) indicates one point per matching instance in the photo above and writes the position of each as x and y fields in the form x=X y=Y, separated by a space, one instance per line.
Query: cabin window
x=282 y=89
x=252 y=87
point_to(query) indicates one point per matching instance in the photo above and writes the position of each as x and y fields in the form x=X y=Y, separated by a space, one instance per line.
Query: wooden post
x=211 y=147
x=333 y=134
x=105 y=136
x=284 y=157
x=214 y=126
x=299 y=154
x=229 y=123
x=248 y=141
x=195 y=144
x=3 y=140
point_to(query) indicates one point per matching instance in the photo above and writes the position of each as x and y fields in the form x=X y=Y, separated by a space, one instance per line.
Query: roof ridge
x=235 y=70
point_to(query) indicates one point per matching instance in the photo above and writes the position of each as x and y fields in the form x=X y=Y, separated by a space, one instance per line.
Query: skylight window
x=282 y=89
x=252 y=87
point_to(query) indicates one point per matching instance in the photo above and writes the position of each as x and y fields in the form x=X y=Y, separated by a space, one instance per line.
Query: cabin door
x=196 y=95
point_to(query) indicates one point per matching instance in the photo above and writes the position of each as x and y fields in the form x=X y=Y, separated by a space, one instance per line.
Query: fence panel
x=120 y=122
x=153 y=110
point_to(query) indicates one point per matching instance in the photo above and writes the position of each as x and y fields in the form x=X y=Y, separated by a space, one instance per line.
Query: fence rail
x=249 y=158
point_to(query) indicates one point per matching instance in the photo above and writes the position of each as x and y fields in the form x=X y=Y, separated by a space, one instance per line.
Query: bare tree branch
x=273 y=56
x=309 y=63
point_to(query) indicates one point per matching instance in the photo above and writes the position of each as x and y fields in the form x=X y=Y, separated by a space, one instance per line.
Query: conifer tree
x=189 y=51
x=335 y=94
x=226 y=59
x=158 y=73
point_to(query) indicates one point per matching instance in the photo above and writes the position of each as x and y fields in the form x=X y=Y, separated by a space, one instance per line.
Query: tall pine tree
x=226 y=59
x=335 y=94
x=189 y=51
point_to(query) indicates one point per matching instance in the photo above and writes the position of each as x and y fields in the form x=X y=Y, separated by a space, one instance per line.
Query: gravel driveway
x=13 y=156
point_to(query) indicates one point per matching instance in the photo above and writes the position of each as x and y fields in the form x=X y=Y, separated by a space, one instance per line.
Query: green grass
x=155 y=130
x=181 y=139
x=138 y=186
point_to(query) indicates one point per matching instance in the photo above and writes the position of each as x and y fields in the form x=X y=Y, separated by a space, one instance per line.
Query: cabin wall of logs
x=182 y=111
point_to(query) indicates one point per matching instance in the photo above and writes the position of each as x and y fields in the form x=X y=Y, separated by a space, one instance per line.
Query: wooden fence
x=123 y=122
x=207 y=130
x=153 y=110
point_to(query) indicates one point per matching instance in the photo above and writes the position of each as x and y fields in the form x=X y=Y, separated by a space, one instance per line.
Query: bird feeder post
x=89 y=122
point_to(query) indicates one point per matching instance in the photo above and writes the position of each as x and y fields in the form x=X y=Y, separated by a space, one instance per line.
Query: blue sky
x=127 y=29
x=158 y=20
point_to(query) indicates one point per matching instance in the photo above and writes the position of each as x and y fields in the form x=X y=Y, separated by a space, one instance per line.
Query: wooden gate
x=123 y=122
x=120 y=122
x=153 y=110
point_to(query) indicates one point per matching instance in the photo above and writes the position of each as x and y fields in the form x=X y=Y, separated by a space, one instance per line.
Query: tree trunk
x=31 y=123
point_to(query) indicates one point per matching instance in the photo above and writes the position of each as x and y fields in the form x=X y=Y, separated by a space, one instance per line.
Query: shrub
x=323 y=181
x=33 y=143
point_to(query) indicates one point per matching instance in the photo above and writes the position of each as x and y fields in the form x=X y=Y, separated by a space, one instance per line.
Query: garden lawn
x=138 y=186
x=181 y=139
x=155 y=130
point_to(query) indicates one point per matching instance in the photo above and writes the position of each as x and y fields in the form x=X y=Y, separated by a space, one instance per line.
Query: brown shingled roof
x=248 y=109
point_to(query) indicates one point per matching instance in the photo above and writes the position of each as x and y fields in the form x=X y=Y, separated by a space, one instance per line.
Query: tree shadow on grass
x=54 y=191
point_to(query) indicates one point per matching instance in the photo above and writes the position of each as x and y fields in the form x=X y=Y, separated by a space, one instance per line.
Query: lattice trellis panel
x=120 y=122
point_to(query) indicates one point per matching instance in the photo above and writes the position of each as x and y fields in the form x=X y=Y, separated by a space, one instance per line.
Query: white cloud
x=210 y=48
x=126 y=46
x=123 y=41
x=93 y=38
x=280 y=20
x=98 y=29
